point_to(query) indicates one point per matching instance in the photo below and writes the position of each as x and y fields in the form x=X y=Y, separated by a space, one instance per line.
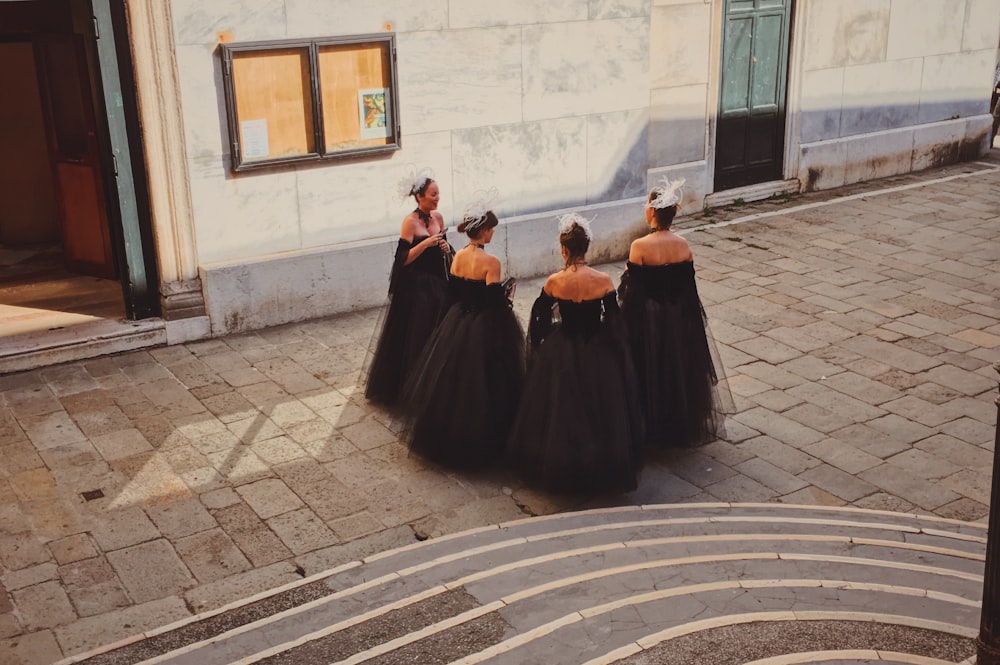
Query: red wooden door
x=64 y=82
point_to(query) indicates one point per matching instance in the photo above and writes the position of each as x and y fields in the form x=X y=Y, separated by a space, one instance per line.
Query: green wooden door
x=751 y=126
x=136 y=251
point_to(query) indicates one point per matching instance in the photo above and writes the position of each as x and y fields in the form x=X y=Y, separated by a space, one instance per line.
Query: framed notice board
x=312 y=99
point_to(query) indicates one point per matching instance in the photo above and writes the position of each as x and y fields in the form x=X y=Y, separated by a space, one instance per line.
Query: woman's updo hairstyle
x=478 y=215
x=473 y=226
x=664 y=217
x=415 y=183
x=664 y=199
x=574 y=235
x=419 y=188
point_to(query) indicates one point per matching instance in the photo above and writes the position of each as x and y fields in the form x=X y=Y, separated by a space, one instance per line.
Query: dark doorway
x=63 y=251
x=750 y=138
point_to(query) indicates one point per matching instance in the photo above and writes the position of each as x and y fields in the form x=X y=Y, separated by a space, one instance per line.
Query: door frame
x=793 y=86
x=124 y=161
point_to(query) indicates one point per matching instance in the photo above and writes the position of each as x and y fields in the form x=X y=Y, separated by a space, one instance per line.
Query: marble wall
x=558 y=104
x=547 y=102
x=876 y=71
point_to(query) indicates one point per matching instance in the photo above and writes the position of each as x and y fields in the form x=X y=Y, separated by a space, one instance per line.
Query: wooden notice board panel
x=323 y=98
x=274 y=104
x=354 y=84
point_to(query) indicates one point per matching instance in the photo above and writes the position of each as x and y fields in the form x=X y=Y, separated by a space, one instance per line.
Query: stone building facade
x=563 y=104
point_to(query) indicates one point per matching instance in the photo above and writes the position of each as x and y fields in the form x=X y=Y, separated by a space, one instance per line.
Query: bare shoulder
x=408 y=228
x=604 y=279
x=683 y=248
x=637 y=250
x=554 y=280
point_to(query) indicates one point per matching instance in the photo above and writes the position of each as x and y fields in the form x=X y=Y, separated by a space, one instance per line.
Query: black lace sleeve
x=402 y=251
x=609 y=304
x=624 y=285
x=541 y=320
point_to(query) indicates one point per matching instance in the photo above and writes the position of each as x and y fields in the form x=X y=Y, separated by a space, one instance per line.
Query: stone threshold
x=42 y=348
x=751 y=193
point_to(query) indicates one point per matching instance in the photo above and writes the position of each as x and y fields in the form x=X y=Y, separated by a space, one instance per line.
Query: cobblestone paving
x=857 y=332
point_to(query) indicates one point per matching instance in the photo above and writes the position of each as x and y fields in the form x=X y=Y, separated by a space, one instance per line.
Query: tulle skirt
x=683 y=399
x=460 y=402
x=412 y=313
x=579 y=426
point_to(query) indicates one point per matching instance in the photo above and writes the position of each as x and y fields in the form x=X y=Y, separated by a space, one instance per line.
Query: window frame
x=312 y=46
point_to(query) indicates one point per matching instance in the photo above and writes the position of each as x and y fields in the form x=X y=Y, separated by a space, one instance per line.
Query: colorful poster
x=373 y=107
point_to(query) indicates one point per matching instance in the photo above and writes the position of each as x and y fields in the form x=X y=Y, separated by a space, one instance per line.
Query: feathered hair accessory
x=667 y=193
x=474 y=215
x=414 y=181
x=567 y=221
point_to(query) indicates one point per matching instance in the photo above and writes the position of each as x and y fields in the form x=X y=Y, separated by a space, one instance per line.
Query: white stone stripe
x=772 y=508
x=526 y=563
x=840 y=199
x=564 y=554
x=956 y=536
x=849 y=654
x=839 y=509
x=818 y=522
x=253 y=599
x=342 y=625
x=814 y=508
x=423 y=543
x=439 y=627
x=208 y=614
x=457 y=556
x=650 y=641
x=610 y=510
x=917 y=568
x=768 y=584
x=933 y=549
x=645 y=565
x=663 y=594
x=292 y=611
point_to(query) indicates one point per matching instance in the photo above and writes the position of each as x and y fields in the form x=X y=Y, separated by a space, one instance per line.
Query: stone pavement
x=857 y=328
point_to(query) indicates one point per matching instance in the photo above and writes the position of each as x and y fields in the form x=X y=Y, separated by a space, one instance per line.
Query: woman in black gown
x=417 y=290
x=461 y=400
x=578 y=428
x=668 y=333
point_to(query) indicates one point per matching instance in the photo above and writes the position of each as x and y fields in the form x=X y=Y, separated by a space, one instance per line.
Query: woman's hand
x=435 y=239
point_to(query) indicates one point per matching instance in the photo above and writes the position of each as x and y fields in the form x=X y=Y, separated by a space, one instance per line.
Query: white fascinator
x=666 y=193
x=474 y=215
x=413 y=181
x=567 y=221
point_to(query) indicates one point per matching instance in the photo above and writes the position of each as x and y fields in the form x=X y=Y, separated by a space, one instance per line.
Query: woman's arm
x=635 y=252
x=540 y=324
x=408 y=232
x=493 y=271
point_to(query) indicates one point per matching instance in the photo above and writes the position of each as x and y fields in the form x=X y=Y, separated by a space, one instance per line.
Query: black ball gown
x=579 y=427
x=673 y=353
x=417 y=296
x=459 y=403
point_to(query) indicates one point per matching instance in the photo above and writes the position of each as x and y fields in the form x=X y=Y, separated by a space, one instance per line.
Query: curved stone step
x=522 y=591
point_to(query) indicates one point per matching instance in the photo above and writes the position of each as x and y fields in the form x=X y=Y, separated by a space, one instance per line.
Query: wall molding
x=158 y=90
